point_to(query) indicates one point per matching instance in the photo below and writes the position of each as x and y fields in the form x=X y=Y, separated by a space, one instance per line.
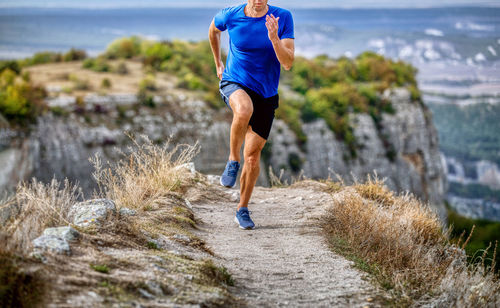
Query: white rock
x=67 y=233
x=51 y=243
x=91 y=212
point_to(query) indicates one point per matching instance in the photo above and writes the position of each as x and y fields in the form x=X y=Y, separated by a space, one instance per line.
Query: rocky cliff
x=414 y=163
x=60 y=144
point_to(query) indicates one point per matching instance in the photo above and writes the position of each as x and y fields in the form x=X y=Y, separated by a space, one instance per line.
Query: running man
x=261 y=39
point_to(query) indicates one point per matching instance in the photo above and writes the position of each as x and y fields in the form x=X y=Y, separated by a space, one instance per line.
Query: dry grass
x=278 y=181
x=145 y=176
x=150 y=179
x=40 y=206
x=401 y=241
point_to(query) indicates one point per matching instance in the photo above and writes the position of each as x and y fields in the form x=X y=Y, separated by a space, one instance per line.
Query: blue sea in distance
x=448 y=34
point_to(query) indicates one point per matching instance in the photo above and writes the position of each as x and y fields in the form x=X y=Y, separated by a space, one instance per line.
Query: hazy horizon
x=95 y=4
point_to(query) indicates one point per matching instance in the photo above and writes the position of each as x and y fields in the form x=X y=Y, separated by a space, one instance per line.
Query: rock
x=403 y=149
x=188 y=166
x=67 y=233
x=234 y=196
x=188 y=204
x=154 y=287
x=91 y=212
x=127 y=212
x=51 y=243
x=182 y=237
x=145 y=294
x=213 y=179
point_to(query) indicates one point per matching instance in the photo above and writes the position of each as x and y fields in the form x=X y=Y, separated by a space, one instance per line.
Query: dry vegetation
x=147 y=175
x=402 y=243
x=40 y=206
x=118 y=260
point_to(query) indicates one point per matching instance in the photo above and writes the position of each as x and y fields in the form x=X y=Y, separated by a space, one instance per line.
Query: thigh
x=263 y=115
x=240 y=102
x=253 y=143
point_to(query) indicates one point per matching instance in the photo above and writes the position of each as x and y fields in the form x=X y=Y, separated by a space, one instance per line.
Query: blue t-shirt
x=251 y=60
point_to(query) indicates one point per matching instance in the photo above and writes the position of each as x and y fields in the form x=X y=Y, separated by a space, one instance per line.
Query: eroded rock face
x=403 y=148
x=404 y=151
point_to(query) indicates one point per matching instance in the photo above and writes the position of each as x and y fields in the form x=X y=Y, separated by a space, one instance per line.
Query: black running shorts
x=263 y=108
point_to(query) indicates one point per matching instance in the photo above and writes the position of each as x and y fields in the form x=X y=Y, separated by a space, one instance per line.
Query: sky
x=224 y=3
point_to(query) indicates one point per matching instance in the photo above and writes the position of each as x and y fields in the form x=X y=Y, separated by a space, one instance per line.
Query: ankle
x=234 y=159
x=242 y=206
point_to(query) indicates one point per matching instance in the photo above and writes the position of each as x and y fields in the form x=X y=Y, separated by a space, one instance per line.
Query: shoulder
x=278 y=11
x=232 y=9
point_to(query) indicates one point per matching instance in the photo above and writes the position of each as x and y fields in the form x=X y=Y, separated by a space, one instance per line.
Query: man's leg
x=242 y=107
x=251 y=168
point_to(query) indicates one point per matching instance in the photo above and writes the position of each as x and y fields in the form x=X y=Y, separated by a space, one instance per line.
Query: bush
x=98 y=64
x=44 y=57
x=20 y=101
x=333 y=105
x=13 y=65
x=127 y=47
x=148 y=83
x=74 y=55
x=106 y=83
x=155 y=53
x=485 y=233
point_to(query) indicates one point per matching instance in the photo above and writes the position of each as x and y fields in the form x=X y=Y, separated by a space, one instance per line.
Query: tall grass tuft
x=39 y=206
x=145 y=175
x=401 y=241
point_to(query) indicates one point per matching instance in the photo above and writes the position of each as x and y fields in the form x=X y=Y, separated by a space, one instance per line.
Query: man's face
x=257 y=5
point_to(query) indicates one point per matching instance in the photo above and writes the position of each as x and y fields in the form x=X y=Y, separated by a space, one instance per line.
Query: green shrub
x=295 y=162
x=126 y=47
x=106 y=83
x=148 y=83
x=98 y=64
x=13 y=65
x=74 y=55
x=44 y=57
x=146 y=99
x=155 y=53
x=485 y=233
x=20 y=101
x=191 y=81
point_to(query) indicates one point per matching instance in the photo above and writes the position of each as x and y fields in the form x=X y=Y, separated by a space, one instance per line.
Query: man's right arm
x=214 y=37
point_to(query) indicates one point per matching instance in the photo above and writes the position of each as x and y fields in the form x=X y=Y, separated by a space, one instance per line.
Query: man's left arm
x=284 y=48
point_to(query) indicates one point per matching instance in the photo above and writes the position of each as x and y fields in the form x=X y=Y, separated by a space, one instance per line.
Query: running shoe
x=243 y=219
x=228 y=178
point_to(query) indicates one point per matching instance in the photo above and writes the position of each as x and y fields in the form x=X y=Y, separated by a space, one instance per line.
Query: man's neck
x=254 y=13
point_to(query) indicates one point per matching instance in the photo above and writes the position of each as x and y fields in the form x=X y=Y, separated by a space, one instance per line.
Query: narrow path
x=285 y=261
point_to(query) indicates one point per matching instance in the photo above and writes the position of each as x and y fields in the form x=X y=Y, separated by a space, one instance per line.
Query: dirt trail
x=285 y=261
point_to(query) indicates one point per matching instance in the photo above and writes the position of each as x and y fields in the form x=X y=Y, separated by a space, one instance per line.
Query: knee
x=243 y=112
x=242 y=105
x=253 y=160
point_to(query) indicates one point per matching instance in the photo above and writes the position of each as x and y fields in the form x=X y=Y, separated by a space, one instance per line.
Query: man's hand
x=220 y=69
x=272 y=27
x=285 y=48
